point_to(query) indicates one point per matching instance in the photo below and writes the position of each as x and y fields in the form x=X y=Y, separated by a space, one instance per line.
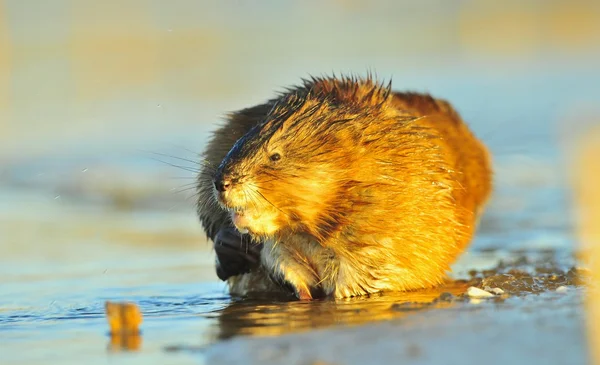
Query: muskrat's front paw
x=236 y=254
x=303 y=294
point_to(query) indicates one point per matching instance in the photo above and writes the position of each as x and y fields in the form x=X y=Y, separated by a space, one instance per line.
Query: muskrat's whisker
x=269 y=180
x=195 y=196
x=206 y=163
x=265 y=198
x=268 y=201
x=185 y=168
x=205 y=202
x=195 y=162
x=266 y=188
x=190 y=184
x=185 y=149
x=246 y=200
x=185 y=187
x=207 y=171
x=253 y=199
x=200 y=162
x=178 y=191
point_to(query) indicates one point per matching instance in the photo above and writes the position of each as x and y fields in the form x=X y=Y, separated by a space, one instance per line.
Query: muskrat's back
x=353 y=189
x=470 y=155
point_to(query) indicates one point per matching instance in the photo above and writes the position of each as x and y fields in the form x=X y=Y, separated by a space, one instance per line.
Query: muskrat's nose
x=224 y=181
x=222 y=184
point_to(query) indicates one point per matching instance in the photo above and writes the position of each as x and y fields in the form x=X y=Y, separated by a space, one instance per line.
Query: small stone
x=562 y=289
x=496 y=291
x=446 y=297
x=474 y=292
x=405 y=306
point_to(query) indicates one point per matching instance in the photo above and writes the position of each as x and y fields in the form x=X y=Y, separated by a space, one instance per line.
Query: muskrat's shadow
x=268 y=316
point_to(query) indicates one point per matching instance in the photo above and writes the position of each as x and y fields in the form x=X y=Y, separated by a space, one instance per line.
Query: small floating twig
x=124 y=320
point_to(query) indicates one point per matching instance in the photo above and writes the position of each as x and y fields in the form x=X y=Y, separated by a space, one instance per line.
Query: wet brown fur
x=376 y=190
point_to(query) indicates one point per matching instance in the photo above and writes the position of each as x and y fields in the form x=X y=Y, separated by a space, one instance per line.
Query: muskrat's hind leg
x=236 y=253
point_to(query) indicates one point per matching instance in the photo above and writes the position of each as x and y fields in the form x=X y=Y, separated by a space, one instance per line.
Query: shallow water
x=52 y=304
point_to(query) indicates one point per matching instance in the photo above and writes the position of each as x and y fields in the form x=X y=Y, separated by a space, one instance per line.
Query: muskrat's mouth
x=239 y=218
x=253 y=220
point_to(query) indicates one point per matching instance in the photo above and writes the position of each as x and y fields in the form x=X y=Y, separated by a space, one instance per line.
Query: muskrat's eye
x=275 y=157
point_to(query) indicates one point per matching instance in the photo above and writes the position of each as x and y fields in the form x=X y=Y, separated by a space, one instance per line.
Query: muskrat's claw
x=236 y=253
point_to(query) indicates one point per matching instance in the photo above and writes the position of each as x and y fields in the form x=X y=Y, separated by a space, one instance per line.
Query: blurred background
x=90 y=90
x=104 y=106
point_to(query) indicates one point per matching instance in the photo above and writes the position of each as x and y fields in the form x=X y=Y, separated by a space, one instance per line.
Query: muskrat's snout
x=237 y=192
x=223 y=182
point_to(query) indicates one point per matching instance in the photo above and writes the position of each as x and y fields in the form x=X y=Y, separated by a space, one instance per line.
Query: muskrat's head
x=288 y=172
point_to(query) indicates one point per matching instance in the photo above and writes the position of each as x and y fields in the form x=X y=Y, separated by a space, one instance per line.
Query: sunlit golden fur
x=374 y=190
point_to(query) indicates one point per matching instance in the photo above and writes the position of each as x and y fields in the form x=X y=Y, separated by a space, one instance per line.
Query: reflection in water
x=255 y=316
x=517 y=274
x=124 y=342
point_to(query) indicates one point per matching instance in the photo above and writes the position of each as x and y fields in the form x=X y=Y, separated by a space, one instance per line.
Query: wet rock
x=562 y=289
x=496 y=291
x=538 y=273
x=550 y=269
x=513 y=282
x=489 y=272
x=446 y=297
x=474 y=292
x=406 y=306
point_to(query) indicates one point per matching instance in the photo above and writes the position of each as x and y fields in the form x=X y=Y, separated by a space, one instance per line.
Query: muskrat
x=341 y=187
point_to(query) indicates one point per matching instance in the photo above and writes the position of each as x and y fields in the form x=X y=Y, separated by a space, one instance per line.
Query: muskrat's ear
x=361 y=93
